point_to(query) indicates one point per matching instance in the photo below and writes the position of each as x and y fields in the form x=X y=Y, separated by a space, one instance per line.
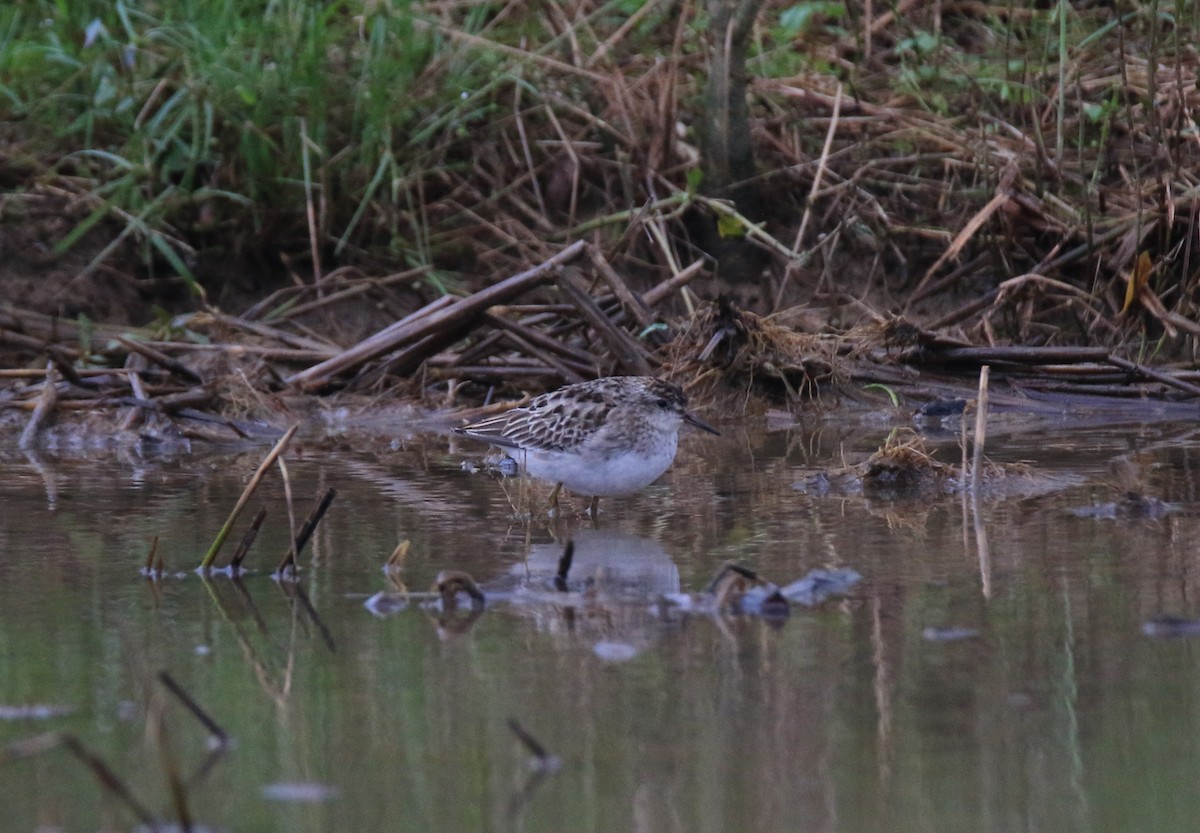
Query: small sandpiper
x=603 y=438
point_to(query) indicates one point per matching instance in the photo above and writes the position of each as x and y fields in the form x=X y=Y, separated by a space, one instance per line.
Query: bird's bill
x=688 y=416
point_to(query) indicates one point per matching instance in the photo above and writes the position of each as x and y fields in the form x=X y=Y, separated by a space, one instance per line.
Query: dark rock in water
x=948 y=634
x=385 y=604
x=817 y=484
x=942 y=408
x=1134 y=506
x=766 y=601
x=820 y=584
x=775 y=607
x=1171 y=626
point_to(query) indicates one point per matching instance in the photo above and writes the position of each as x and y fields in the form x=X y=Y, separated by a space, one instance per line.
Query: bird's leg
x=594 y=507
x=554 y=497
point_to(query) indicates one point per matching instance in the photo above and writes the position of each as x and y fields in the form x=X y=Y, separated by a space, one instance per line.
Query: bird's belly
x=600 y=475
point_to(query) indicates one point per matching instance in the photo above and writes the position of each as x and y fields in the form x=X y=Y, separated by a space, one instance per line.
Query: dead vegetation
x=938 y=186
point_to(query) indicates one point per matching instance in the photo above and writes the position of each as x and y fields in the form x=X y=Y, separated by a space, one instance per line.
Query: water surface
x=945 y=691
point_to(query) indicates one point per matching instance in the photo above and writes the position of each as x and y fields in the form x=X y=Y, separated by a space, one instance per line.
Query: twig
x=134 y=363
x=1004 y=192
x=35 y=373
x=239 y=555
x=453 y=316
x=567 y=373
x=822 y=163
x=970 y=267
x=285 y=354
x=579 y=359
x=289 y=558
x=395 y=561
x=633 y=304
x=307 y=530
x=206 y=564
x=160 y=359
x=358 y=288
x=487 y=371
x=491 y=46
x=408 y=359
x=564 y=566
x=1023 y=355
x=755 y=231
x=1155 y=375
x=324 y=348
x=43 y=410
x=629 y=355
x=656 y=294
x=981 y=408
x=51 y=328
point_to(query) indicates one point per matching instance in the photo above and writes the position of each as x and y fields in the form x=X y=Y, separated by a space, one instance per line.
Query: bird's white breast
x=603 y=473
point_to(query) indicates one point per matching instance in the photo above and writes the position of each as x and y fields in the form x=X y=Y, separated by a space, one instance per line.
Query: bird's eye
x=664 y=404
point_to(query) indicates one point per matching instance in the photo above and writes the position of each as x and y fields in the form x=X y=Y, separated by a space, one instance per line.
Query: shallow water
x=989 y=672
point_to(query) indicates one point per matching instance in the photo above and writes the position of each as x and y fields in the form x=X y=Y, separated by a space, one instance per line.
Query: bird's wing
x=491 y=430
x=545 y=424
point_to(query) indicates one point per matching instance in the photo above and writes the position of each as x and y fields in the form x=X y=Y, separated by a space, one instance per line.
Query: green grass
x=475 y=137
x=194 y=119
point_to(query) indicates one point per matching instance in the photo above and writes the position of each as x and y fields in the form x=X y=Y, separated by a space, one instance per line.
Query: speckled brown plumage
x=604 y=437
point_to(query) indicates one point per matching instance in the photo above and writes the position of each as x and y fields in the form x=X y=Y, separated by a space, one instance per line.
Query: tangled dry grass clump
x=727 y=349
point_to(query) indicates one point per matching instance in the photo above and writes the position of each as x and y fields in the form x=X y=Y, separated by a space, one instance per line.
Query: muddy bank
x=213 y=376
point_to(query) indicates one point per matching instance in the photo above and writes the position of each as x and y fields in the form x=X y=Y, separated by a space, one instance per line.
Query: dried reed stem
x=980 y=437
x=43 y=409
x=272 y=456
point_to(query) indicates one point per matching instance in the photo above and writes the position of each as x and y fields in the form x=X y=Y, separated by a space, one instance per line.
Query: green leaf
x=892 y=395
x=87 y=331
x=798 y=18
x=728 y=226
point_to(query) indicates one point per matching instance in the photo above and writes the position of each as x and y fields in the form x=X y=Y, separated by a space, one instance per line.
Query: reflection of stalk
x=170 y=763
x=981 y=547
x=981 y=408
x=542 y=763
x=154 y=561
x=981 y=541
x=276 y=692
x=219 y=735
x=109 y=780
x=1070 y=696
x=297 y=595
x=882 y=685
x=48 y=479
